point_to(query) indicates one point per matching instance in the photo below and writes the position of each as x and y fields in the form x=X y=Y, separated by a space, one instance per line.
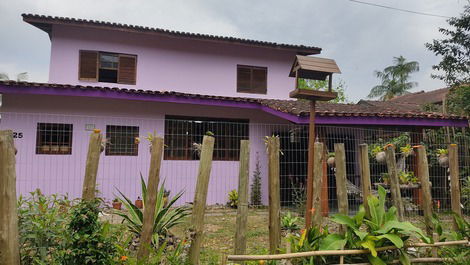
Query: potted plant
x=331 y=159
x=139 y=203
x=232 y=199
x=386 y=178
x=406 y=150
x=379 y=154
x=443 y=157
x=117 y=204
x=64 y=148
x=166 y=195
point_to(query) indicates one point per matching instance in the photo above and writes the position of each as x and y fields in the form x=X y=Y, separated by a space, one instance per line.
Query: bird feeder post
x=314 y=68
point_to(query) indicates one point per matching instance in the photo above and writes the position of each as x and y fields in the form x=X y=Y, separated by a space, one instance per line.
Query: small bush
x=256 y=184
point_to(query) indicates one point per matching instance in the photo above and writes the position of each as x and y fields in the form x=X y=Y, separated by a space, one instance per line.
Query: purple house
x=129 y=80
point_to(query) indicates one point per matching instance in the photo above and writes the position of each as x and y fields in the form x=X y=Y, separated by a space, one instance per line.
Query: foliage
x=401 y=142
x=406 y=150
x=339 y=88
x=166 y=216
x=290 y=222
x=394 y=79
x=233 y=199
x=457 y=100
x=42 y=222
x=255 y=195
x=21 y=77
x=165 y=254
x=88 y=240
x=314 y=239
x=442 y=151
x=431 y=107
x=453 y=255
x=454 y=50
x=331 y=154
x=299 y=196
x=466 y=193
x=406 y=177
x=382 y=229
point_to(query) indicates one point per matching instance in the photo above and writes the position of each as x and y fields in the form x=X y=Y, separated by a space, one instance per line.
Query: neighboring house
x=423 y=97
x=130 y=80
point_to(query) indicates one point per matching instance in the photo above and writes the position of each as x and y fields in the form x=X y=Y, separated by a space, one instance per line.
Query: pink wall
x=171 y=64
x=64 y=173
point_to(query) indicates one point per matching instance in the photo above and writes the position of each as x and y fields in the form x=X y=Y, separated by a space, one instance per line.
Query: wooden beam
x=242 y=210
x=274 y=194
x=454 y=181
x=9 y=238
x=200 y=197
x=423 y=173
x=151 y=200
x=365 y=175
x=394 y=181
x=317 y=184
x=341 y=187
x=311 y=151
x=91 y=167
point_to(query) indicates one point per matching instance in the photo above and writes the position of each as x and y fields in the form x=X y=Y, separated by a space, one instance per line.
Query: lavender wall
x=171 y=64
x=64 y=173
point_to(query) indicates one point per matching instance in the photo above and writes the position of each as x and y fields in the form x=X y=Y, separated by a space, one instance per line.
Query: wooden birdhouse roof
x=313 y=67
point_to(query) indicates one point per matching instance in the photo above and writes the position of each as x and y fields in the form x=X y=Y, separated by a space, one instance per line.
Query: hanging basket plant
x=331 y=160
x=443 y=157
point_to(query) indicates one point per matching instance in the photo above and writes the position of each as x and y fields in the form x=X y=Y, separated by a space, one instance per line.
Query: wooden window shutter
x=88 y=66
x=127 y=69
x=243 y=79
x=259 y=80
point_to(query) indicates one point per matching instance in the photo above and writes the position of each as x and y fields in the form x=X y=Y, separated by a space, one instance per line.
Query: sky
x=361 y=38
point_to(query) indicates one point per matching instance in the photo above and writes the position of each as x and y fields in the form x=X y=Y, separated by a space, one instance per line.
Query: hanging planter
x=331 y=160
x=381 y=157
x=139 y=203
x=117 y=204
x=443 y=157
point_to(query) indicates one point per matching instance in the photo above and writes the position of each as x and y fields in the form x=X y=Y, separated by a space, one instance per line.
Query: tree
x=394 y=79
x=322 y=85
x=454 y=68
x=19 y=77
x=458 y=100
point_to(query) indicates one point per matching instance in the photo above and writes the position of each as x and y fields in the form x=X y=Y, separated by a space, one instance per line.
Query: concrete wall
x=64 y=173
x=171 y=64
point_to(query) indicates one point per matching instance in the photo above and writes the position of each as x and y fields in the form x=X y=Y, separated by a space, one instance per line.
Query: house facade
x=129 y=81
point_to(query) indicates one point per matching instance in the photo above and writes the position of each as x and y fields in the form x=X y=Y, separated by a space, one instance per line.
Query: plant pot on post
x=139 y=203
x=117 y=204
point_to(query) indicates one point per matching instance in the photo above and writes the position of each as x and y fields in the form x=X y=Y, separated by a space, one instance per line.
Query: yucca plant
x=166 y=216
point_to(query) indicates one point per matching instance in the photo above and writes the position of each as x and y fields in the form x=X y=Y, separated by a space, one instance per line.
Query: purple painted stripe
x=129 y=95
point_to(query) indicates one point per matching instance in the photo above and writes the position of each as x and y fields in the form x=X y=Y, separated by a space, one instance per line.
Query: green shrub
x=232 y=199
x=42 y=222
x=166 y=216
x=290 y=222
x=88 y=240
x=256 y=184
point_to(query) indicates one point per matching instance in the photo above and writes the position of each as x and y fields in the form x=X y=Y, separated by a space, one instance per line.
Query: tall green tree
x=454 y=49
x=395 y=79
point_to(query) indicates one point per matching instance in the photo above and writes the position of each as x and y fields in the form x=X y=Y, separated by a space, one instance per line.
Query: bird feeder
x=313 y=68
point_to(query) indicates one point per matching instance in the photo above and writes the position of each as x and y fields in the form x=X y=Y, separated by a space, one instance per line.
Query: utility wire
x=399 y=9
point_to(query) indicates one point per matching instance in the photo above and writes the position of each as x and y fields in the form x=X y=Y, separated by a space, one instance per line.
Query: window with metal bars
x=54 y=139
x=121 y=140
x=183 y=136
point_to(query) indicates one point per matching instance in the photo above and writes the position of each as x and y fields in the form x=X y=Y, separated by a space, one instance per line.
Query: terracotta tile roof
x=45 y=22
x=423 y=97
x=294 y=107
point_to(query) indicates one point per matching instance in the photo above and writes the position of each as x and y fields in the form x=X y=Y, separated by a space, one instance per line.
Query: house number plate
x=17 y=135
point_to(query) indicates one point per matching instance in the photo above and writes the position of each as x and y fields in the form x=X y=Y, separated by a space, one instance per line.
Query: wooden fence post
x=365 y=175
x=200 y=197
x=454 y=180
x=394 y=182
x=242 y=211
x=274 y=194
x=9 y=238
x=423 y=173
x=150 y=200
x=341 y=188
x=317 y=184
x=91 y=168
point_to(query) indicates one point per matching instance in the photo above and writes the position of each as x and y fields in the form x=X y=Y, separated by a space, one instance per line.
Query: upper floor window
x=107 y=67
x=252 y=79
x=54 y=138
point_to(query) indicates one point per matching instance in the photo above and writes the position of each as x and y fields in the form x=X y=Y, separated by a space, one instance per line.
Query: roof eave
x=45 y=24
